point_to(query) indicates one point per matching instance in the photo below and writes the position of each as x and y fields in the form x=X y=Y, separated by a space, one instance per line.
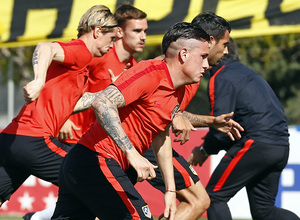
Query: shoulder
x=148 y=72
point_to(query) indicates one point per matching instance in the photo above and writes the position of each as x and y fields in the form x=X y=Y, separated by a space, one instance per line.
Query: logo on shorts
x=193 y=171
x=146 y=211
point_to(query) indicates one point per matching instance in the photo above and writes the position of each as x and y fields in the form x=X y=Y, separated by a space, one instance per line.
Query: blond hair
x=98 y=15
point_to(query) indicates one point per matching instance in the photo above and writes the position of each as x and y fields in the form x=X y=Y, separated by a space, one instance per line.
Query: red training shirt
x=99 y=79
x=150 y=101
x=64 y=85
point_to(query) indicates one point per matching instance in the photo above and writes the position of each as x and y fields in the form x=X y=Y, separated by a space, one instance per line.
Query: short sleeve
x=77 y=56
x=139 y=81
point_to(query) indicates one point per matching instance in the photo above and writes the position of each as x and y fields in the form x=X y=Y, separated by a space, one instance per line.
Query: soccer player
x=190 y=191
x=131 y=36
x=92 y=178
x=130 y=39
x=28 y=144
x=256 y=160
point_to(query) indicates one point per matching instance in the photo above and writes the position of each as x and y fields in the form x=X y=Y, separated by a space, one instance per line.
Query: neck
x=175 y=72
x=123 y=54
x=86 y=38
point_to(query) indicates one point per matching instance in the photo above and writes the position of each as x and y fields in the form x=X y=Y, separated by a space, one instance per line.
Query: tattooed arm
x=85 y=102
x=106 y=106
x=43 y=55
x=223 y=123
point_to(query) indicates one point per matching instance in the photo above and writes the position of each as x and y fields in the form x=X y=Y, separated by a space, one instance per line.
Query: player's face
x=218 y=50
x=134 y=34
x=105 y=42
x=197 y=61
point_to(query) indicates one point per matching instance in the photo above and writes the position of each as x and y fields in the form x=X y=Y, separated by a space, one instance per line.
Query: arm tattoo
x=195 y=120
x=35 y=57
x=88 y=98
x=116 y=97
x=106 y=110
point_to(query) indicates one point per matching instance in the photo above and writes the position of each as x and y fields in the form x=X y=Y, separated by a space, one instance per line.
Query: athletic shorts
x=90 y=186
x=22 y=156
x=183 y=172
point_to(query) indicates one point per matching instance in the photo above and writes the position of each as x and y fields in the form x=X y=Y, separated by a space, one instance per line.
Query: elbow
x=98 y=101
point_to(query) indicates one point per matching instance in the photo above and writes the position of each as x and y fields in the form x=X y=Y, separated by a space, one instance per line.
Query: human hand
x=32 y=90
x=170 y=206
x=66 y=130
x=112 y=75
x=196 y=157
x=182 y=128
x=225 y=124
x=144 y=169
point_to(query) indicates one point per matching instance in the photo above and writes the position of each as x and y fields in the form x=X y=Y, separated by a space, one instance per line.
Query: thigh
x=39 y=156
x=241 y=164
x=263 y=190
x=184 y=174
x=11 y=174
x=102 y=186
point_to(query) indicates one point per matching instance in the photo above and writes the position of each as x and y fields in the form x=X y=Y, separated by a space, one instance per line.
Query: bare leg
x=194 y=201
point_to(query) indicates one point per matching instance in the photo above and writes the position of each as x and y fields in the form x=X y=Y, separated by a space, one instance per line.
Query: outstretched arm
x=223 y=123
x=162 y=147
x=43 y=55
x=106 y=106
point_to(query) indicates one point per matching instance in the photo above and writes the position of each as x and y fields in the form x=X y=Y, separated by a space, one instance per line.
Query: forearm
x=162 y=147
x=199 y=120
x=106 y=109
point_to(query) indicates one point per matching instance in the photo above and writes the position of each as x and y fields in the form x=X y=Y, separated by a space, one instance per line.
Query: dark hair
x=127 y=11
x=232 y=51
x=213 y=24
x=183 y=30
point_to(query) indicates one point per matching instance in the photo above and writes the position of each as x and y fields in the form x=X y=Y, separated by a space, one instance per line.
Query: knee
x=197 y=200
x=203 y=202
x=262 y=214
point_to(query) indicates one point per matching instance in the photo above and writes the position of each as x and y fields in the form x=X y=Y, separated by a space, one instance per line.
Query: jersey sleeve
x=137 y=83
x=77 y=56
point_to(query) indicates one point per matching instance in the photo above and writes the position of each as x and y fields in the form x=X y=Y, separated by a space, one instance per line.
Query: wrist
x=203 y=151
x=176 y=114
x=171 y=190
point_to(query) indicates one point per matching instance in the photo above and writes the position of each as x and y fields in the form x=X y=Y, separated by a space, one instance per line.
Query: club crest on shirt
x=146 y=211
x=193 y=171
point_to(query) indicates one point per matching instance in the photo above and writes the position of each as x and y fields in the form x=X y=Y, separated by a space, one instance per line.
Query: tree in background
x=277 y=59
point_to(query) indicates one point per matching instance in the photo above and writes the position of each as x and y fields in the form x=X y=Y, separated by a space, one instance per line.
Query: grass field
x=20 y=218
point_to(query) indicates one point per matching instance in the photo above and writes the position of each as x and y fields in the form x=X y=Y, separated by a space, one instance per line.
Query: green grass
x=20 y=218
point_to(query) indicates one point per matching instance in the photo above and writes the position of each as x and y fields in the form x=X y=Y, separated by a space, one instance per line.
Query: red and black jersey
x=99 y=79
x=150 y=101
x=65 y=83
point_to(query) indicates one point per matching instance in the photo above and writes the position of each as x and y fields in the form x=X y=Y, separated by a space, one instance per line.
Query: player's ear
x=97 y=32
x=212 y=41
x=120 y=32
x=183 y=54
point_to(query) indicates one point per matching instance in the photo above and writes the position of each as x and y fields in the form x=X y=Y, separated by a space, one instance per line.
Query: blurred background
x=267 y=33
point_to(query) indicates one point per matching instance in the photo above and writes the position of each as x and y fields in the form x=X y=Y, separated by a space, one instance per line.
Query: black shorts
x=22 y=156
x=183 y=172
x=90 y=186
